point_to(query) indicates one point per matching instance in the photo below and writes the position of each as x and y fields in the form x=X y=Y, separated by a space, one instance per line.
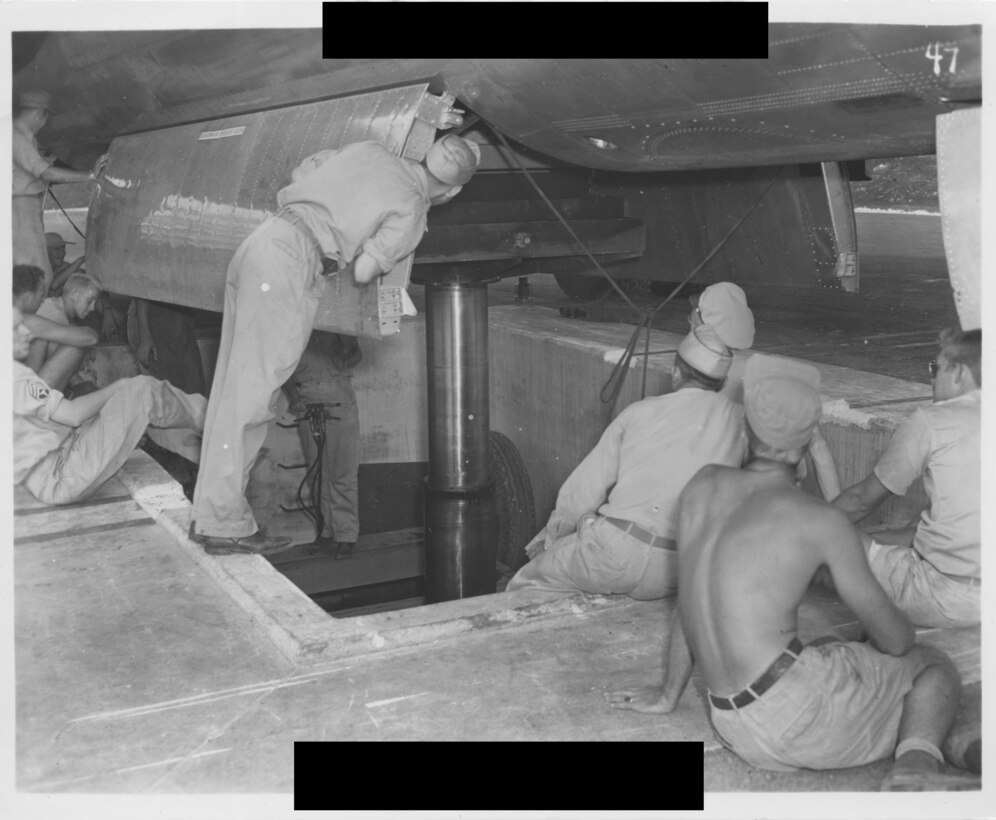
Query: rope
x=610 y=391
x=615 y=381
x=49 y=192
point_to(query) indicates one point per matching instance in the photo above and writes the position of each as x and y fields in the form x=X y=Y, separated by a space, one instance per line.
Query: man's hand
x=649 y=700
x=146 y=352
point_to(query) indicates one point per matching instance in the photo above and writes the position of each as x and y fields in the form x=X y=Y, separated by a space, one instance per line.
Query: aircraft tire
x=581 y=287
x=514 y=505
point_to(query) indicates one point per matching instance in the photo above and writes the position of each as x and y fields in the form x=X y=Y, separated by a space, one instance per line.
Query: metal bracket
x=847 y=271
x=437 y=111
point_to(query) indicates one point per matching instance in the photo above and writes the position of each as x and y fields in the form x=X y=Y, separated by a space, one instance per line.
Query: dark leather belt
x=294 y=219
x=640 y=534
x=778 y=668
x=968 y=580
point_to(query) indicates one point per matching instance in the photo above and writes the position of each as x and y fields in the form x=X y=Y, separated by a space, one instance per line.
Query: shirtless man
x=57 y=346
x=749 y=543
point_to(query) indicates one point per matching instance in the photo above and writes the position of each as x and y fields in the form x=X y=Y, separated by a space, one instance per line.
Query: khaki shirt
x=35 y=434
x=361 y=198
x=29 y=165
x=942 y=443
x=645 y=458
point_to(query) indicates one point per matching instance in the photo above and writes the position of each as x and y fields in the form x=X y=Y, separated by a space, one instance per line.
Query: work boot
x=259 y=543
x=344 y=549
x=325 y=544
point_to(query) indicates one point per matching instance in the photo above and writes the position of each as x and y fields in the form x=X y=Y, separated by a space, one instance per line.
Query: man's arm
x=365 y=269
x=146 y=351
x=73 y=412
x=588 y=485
x=888 y=628
x=678 y=665
x=860 y=499
x=49 y=331
x=53 y=174
x=70 y=269
x=824 y=466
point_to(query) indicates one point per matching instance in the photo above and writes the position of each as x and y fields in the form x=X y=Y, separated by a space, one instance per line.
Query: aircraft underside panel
x=795 y=226
x=174 y=204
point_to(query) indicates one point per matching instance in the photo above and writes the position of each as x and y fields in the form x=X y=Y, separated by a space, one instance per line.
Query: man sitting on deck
x=612 y=530
x=749 y=543
x=65 y=449
x=932 y=568
x=58 y=362
x=59 y=346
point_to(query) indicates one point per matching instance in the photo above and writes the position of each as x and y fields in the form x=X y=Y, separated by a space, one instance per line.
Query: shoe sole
x=211 y=549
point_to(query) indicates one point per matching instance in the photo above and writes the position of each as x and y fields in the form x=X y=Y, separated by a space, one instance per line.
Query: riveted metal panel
x=174 y=204
x=959 y=185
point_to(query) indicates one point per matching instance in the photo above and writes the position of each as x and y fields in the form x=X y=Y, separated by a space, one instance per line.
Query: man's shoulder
x=51 y=308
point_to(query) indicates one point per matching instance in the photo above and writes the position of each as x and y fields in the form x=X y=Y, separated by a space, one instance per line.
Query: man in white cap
x=614 y=527
x=749 y=544
x=32 y=174
x=723 y=307
x=359 y=207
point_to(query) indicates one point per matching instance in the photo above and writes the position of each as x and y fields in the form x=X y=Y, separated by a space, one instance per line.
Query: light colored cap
x=723 y=306
x=54 y=240
x=782 y=400
x=453 y=159
x=36 y=99
x=705 y=351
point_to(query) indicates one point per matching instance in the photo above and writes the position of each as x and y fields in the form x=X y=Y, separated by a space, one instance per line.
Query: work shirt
x=35 y=434
x=942 y=443
x=29 y=164
x=360 y=198
x=647 y=455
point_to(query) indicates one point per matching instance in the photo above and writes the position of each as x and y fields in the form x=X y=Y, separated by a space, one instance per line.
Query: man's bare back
x=749 y=543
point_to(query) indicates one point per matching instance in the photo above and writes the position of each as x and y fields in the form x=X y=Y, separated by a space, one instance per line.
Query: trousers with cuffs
x=272 y=291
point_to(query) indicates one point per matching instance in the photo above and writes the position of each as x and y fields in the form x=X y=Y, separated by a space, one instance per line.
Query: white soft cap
x=723 y=306
x=782 y=400
x=705 y=351
x=453 y=159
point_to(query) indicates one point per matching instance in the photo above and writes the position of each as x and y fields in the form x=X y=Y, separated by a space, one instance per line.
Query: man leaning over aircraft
x=359 y=206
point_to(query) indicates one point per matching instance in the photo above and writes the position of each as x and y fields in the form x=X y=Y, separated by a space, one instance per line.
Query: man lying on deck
x=749 y=542
x=65 y=449
x=932 y=569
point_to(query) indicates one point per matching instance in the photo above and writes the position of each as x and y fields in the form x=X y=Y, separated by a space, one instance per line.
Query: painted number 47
x=936 y=53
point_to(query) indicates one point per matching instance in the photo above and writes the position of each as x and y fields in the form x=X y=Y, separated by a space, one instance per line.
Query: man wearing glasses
x=931 y=568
